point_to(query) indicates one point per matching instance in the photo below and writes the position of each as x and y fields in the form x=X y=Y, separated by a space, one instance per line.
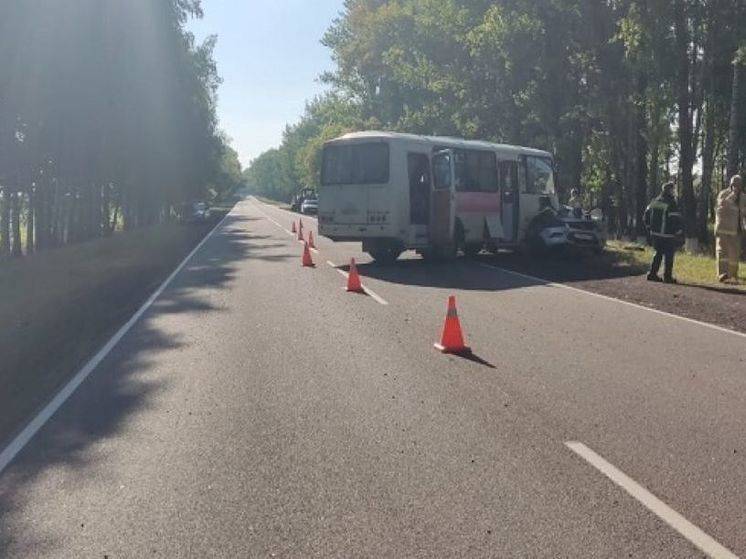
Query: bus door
x=443 y=199
x=418 y=168
x=510 y=200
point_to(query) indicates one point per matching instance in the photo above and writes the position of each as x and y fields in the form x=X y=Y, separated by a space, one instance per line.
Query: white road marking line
x=622 y=301
x=28 y=432
x=310 y=248
x=275 y=222
x=368 y=291
x=286 y=230
x=305 y=216
x=691 y=532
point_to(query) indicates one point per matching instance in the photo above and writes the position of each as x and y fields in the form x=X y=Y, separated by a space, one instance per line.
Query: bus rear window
x=366 y=163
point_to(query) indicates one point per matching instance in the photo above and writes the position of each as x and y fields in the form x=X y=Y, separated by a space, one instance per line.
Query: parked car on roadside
x=300 y=197
x=196 y=212
x=310 y=205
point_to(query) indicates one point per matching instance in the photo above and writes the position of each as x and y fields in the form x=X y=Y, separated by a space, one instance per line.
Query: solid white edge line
x=28 y=432
x=368 y=291
x=608 y=298
x=695 y=535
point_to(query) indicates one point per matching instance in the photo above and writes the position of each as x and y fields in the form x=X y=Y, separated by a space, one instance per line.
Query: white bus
x=431 y=194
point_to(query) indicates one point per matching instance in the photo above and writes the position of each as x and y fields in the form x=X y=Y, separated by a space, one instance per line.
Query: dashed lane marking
x=368 y=291
x=695 y=535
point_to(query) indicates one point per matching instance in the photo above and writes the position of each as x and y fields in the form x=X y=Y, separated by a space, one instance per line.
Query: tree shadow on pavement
x=129 y=379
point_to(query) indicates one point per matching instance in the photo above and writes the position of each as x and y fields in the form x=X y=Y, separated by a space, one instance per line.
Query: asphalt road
x=259 y=410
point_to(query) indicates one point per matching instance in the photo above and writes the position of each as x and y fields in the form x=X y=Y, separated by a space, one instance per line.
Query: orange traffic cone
x=300 y=224
x=310 y=240
x=300 y=233
x=307 y=260
x=452 y=340
x=353 y=279
x=292 y=229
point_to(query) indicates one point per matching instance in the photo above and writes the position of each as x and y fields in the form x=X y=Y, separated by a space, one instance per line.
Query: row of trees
x=107 y=119
x=626 y=93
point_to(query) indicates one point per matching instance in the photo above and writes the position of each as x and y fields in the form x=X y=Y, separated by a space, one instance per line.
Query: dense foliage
x=626 y=93
x=107 y=118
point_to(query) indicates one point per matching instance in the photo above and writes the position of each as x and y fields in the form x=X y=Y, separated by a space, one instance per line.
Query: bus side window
x=522 y=179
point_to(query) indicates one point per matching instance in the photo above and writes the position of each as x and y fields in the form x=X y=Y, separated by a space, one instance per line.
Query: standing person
x=575 y=202
x=730 y=223
x=663 y=220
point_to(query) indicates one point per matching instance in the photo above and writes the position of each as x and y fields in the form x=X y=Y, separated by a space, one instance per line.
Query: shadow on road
x=460 y=274
x=124 y=382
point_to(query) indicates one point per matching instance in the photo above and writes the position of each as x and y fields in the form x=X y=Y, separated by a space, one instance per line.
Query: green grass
x=59 y=306
x=688 y=268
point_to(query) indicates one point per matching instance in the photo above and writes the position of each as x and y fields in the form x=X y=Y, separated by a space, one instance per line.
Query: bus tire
x=384 y=255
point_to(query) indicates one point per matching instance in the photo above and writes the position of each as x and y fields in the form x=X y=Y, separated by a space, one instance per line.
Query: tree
x=107 y=109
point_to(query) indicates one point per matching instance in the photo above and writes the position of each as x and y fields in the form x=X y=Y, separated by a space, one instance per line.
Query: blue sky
x=270 y=57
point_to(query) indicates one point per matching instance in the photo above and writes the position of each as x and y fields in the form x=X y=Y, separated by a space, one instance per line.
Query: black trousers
x=664 y=248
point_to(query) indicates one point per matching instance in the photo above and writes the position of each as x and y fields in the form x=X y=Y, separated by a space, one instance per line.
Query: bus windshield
x=364 y=163
x=540 y=175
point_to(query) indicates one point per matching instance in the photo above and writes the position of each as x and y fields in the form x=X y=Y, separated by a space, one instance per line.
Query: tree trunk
x=30 y=221
x=5 y=224
x=641 y=189
x=15 y=223
x=683 y=96
x=735 y=118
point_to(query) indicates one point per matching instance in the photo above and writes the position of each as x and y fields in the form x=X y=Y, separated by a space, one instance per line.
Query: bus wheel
x=385 y=255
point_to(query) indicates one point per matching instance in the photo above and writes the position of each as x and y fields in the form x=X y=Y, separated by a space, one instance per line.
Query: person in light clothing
x=730 y=224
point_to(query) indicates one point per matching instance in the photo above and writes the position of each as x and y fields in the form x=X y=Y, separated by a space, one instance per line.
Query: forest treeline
x=107 y=119
x=626 y=93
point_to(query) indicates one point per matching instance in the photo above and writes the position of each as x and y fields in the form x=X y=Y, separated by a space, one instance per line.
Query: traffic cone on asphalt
x=452 y=340
x=292 y=229
x=353 y=279
x=300 y=233
x=307 y=260
x=310 y=240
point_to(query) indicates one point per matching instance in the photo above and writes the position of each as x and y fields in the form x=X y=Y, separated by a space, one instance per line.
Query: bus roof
x=442 y=141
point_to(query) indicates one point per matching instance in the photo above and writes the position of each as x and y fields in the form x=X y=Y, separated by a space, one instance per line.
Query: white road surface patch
x=695 y=535
x=28 y=432
x=621 y=301
x=367 y=290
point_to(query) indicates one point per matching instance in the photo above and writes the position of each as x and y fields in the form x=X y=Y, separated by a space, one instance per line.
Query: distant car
x=300 y=197
x=196 y=212
x=309 y=206
x=567 y=228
